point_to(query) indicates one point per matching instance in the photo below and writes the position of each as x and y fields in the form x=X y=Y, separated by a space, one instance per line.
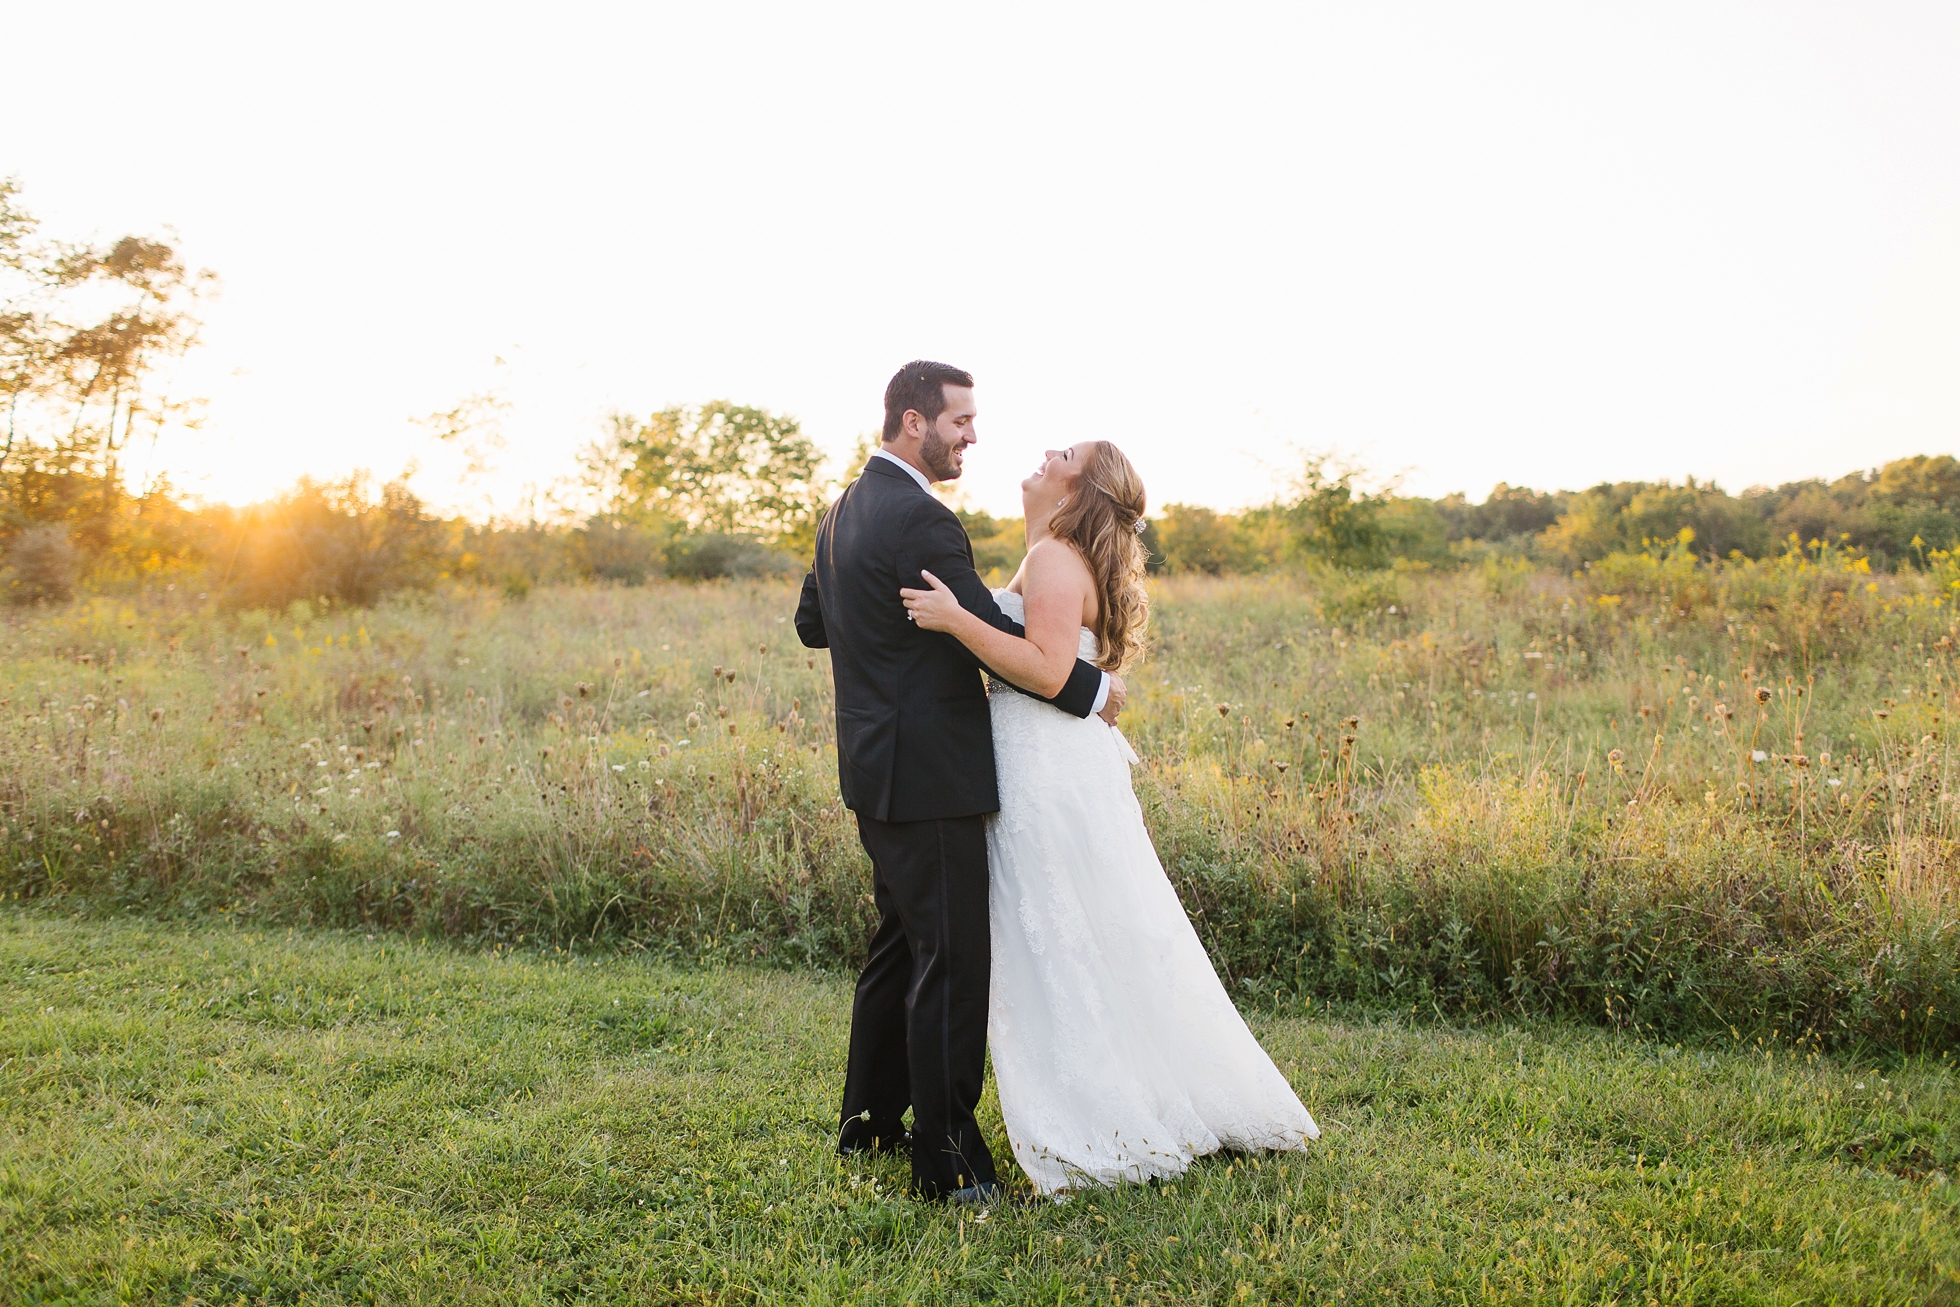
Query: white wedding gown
x=1118 y=1054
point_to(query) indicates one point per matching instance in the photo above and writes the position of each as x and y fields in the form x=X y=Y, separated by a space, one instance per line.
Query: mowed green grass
x=217 y=1114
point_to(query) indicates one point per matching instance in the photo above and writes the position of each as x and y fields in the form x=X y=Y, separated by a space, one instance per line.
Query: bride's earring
x=1061 y=501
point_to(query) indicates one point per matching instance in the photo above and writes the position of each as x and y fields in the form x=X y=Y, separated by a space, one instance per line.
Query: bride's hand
x=936 y=609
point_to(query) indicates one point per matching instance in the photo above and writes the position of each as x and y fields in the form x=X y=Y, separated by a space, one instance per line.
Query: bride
x=1117 y=1052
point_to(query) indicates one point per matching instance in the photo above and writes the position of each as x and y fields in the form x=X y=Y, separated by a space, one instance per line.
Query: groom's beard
x=937 y=454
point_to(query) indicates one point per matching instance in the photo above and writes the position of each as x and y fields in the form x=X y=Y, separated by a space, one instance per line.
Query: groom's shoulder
x=894 y=493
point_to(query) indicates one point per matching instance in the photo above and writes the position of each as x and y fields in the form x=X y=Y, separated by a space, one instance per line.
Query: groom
x=915 y=761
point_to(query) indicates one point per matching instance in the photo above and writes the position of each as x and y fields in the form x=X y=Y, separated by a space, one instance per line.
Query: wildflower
x=1724 y=711
x=1617 y=758
x=394 y=834
x=1759 y=756
x=1824 y=758
x=1762 y=694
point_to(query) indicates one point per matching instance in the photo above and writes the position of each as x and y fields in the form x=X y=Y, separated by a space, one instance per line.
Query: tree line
x=710 y=490
x=1895 y=515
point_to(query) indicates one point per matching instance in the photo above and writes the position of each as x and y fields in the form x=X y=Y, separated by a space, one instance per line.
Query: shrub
x=713 y=556
x=41 y=565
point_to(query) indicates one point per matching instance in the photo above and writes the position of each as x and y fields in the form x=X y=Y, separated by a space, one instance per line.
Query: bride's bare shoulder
x=1055 y=574
x=1055 y=560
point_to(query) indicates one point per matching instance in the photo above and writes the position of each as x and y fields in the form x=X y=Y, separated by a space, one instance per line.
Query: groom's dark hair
x=920 y=386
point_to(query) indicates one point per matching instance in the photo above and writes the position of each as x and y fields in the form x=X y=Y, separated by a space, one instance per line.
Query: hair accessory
x=1139 y=525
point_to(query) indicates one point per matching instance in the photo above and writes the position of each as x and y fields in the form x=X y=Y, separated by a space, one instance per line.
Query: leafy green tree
x=84 y=331
x=1626 y=516
x=1325 y=518
x=719 y=468
x=1194 y=539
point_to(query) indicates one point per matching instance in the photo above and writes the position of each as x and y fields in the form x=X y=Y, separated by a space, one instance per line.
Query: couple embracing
x=1020 y=900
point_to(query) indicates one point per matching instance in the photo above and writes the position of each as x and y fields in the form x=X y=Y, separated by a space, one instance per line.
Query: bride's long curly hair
x=1101 y=517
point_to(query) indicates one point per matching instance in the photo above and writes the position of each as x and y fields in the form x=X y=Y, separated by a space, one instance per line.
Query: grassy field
x=220 y=1113
x=1662 y=797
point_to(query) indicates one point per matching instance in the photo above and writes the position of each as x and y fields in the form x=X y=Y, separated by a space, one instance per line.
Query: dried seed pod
x=1762 y=694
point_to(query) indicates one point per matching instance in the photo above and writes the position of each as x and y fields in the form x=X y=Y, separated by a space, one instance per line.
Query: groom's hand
x=1118 y=694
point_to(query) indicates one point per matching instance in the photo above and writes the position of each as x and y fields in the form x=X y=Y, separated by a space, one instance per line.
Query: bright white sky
x=1550 y=244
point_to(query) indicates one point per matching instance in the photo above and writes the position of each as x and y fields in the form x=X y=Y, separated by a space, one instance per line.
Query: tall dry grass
x=1658 y=795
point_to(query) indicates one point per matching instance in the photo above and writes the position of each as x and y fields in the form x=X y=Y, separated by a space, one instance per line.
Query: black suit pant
x=919 y=1023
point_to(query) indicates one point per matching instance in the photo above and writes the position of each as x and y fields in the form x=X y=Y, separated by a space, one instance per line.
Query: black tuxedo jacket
x=914 y=741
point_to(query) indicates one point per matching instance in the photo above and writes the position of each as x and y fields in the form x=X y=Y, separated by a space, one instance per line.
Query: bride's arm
x=1054 y=583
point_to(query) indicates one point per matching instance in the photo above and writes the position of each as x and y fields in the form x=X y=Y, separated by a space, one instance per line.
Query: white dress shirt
x=1102 y=690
